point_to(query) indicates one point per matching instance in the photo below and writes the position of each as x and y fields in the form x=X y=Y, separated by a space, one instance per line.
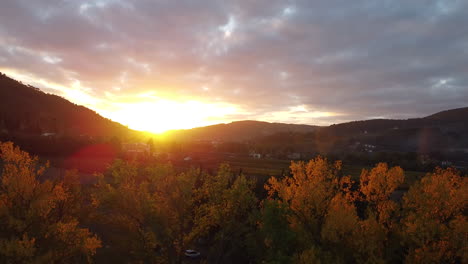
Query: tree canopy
x=153 y=212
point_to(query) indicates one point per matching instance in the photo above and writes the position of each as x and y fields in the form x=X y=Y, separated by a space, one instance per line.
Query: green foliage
x=225 y=215
x=278 y=239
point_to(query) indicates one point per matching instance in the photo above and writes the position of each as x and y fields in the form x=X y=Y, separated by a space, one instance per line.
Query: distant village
x=216 y=151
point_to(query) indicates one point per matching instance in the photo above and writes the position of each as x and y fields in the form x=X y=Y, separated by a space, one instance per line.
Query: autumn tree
x=364 y=237
x=324 y=209
x=434 y=226
x=380 y=220
x=39 y=222
x=308 y=195
x=144 y=212
x=376 y=186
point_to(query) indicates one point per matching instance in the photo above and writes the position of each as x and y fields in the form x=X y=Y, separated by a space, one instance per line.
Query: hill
x=453 y=115
x=443 y=131
x=455 y=119
x=27 y=110
x=239 y=131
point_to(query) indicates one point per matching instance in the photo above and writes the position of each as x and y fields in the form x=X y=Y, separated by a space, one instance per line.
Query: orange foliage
x=38 y=221
x=434 y=224
x=376 y=186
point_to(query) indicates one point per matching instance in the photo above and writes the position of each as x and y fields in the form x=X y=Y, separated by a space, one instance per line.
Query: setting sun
x=161 y=115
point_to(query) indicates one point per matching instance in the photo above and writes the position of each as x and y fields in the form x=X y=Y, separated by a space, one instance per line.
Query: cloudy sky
x=155 y=65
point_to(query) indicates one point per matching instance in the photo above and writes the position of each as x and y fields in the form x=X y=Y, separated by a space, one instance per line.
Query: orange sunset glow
x=162 y=66
x=146 y=111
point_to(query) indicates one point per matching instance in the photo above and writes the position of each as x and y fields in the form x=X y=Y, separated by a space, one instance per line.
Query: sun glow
x=74 y=92
x=163 y=115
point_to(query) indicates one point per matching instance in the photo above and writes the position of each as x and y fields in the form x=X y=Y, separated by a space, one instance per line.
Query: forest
x=152 y=212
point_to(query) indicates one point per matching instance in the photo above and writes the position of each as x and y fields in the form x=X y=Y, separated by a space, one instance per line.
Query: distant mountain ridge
x=239 y=131
x=455 y=120
x=453 y=115
x=445 y=131
x=444 y=119
x=27 y=110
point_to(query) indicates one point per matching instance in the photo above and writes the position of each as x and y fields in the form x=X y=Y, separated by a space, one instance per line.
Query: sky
x=156 y=65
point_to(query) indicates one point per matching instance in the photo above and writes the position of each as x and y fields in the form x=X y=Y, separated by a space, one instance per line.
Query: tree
x=124 y=213
x=225 y=216
x=174 y=196
x=376 y=187
x=307 y=194
x=150 y=144
x=278 y=240
x=434 y=223
x=145 y=212
x=321 y=208
x=39 y=221
x=378 y=240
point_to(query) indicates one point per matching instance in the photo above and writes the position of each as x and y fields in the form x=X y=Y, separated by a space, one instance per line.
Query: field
x=259 y=169
x=262 y=169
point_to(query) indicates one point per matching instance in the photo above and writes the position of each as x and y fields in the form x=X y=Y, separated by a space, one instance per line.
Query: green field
x=262 y=169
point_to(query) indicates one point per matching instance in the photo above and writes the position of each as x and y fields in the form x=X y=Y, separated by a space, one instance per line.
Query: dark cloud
x=359 y=59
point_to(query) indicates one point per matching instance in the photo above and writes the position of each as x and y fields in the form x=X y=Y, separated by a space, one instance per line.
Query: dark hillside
x=27 y=110
x=453 y=115
x=239 y=131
